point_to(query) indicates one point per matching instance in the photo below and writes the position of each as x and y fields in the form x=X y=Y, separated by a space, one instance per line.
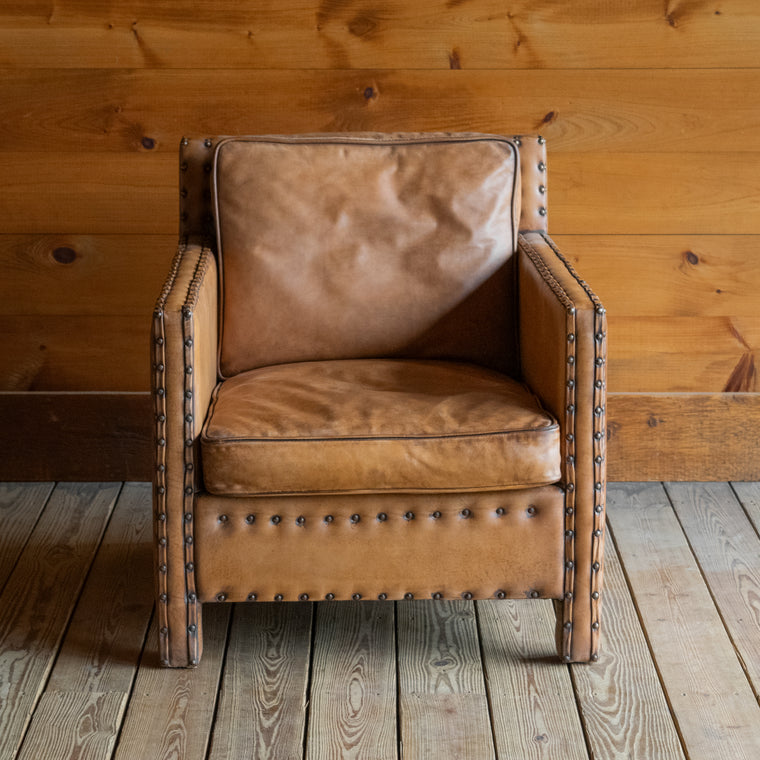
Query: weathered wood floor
x=679 y=676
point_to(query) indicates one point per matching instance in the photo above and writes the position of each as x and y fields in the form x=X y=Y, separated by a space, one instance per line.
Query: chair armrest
x=184 y=373
x=563 y=341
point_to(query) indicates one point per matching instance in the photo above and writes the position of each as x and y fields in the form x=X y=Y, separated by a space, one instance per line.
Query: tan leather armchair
x=375 y=377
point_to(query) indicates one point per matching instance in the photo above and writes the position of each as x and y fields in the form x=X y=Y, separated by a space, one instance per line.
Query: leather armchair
x=375 y=377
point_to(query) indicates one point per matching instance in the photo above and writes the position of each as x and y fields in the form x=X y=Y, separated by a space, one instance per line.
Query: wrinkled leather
x=353 y=247
x=376 y=425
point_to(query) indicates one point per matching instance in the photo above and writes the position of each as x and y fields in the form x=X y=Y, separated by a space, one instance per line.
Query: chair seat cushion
x=376 y=425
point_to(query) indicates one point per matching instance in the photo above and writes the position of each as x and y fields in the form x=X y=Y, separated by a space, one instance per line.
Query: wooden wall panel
x=653 y=133
x=588 y=110
x=341 y=34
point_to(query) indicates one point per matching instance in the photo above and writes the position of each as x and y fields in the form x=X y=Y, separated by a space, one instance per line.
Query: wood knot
x=454 y=60
x=691 y=257
x=362 y=26
x=64 y=255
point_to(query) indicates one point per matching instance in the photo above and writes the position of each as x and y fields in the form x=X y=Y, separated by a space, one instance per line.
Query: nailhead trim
x=569 y=457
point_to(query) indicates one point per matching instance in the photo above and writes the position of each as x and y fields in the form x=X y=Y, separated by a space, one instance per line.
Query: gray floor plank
x=530 y=690
x=40 y=595
x=710 y=697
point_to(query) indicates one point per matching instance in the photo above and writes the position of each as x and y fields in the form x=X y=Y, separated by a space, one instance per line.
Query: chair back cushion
x=361 y=246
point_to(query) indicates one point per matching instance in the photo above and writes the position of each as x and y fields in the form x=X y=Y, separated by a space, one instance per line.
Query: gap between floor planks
x=678 y=677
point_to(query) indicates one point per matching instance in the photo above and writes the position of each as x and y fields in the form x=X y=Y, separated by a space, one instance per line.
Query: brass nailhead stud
x=500 y=594
x=250 y=519
x=164 y=630
x=161 y=516
x=569 y=565
x=568 y=626
x=598 y=533
x=595 y=566
x=355 y=519
x=252 y=597
x=162 y=541
x=595 y=626
x=569 y=511
x=570 y=487
x=328 y=518
x=598 y=436
x=329 y=597
x=189 y=443
x=569 y=596
x=542 y=211
x=409 y=515
x=356 y=597
x=188 y=394
x=571 y=383
x=599 y=362
x=465 y=513
x=382 y=517
x=467 y=595
x=382 y=597
x=161 y=418
x=188 y=517
x=542 y=189
x=188 y=539
x=598 y=384
x=159 y=341
x=275 y=519
x=188 y=342
x=570 y=437
x=188 y=370
x=436 y=515
x=189 y=467
x=566 y=658
x=595 y=595
x=278 y=597
x=500 y=511
x=194 y=661
x=162 y=568
x=571 y=408
x=570 y=459
x=192 y=628
x=408 y=596
x=300 y=520
x=188 y=418
x=517 y=141
x=162 y=597
x=207 y=142
x=541 y=140
x=188 y=490
x=160 y=392
x=533 y=595
x=303 y=597
x=190 y=567
x=598 y=459
x=571 y=337
x=569 y=533
x=437 y=595
x=571 y=360
x=531 y=510
x=541 y=166
x=595 y=657
x=597 y=486
x=192 y=596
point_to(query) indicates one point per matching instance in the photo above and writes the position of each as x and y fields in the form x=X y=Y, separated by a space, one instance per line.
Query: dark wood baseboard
x=75 y=436
x=107 y=436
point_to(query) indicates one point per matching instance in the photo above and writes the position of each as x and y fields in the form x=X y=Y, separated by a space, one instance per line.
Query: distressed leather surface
x=419 y=544
x=352 y=247
x=376 y=425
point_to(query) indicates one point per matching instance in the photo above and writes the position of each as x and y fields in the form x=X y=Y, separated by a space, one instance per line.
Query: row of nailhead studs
x=465 y=514
x=599 y=434
x=160 y=475
x=185 y=170
x=189 y=458
x=569 y=462
x=541 y=166
x=188 y=481
x=437 y=596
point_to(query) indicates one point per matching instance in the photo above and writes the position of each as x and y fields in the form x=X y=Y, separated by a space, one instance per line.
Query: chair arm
x=184 y=350
x=563 y=339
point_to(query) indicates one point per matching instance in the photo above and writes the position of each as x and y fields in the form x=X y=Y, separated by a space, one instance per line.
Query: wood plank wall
x=652 y=116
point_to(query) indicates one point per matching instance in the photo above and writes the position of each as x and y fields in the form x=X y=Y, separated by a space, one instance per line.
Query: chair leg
x=180 y=633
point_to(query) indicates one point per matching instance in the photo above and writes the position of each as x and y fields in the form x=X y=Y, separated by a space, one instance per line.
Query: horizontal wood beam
x=107 y=436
